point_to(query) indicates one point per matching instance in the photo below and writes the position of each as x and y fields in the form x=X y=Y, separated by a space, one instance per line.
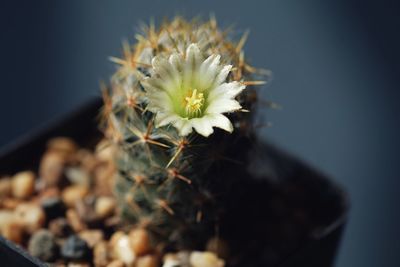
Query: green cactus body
x=167 y=178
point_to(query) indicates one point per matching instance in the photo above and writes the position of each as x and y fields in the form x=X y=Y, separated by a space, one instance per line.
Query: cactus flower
x=188 y=91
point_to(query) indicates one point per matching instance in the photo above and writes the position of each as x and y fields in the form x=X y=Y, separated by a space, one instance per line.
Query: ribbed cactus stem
x=179 y=99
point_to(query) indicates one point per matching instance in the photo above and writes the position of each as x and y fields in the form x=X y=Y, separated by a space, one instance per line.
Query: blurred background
x=336 y=67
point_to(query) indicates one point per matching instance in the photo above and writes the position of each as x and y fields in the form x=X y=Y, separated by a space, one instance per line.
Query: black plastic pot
x=316 y=249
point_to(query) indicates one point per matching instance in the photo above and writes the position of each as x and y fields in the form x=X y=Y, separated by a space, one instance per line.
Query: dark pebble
x=87 y=214
x=75 y=249
x=53 y=207
x=43 y=245
x=60 y=227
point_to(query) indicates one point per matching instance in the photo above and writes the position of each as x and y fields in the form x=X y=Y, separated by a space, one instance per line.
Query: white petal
x=153 y=83
x=167 y=73
x=176 y=61
x=208 y=70
x=222 y=105
x=159 y=101
x=191 y=66
x=183 y=126
x=211 y=60
x=163 y=119
x=223 y=73
x=193 y=55
x=226 y=90
x=202 y=126
x=220 y=121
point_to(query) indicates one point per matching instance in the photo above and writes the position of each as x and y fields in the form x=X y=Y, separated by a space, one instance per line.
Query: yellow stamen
x=194 y=102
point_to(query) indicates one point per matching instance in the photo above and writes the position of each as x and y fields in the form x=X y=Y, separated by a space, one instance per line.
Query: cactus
x=174 y=128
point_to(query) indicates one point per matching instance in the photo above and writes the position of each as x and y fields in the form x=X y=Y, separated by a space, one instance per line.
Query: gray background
x=335 y=66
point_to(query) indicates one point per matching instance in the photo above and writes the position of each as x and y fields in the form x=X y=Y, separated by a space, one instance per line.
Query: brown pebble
x=86 y=212
x=60 y=227
x=51 y=168
x=5 y=217
x=50 y=192
x=73 y=194
x=140 y=241
x=75 y=221
x=62 y=144
x=100 y=254
x=116 y=263
x=9 y=228
x=147 y=261
x=23 y=184
x=77 y=175
x=104 y=179
x=31 y=216
x=13 y=231
x=205 y=259
x=5 y=187
x=218 y=246
x=77 y=264
x=105 y=151
x=10 y=203
x=86 y=159
x=92 y=237
x=105 y=206
x=122 y=248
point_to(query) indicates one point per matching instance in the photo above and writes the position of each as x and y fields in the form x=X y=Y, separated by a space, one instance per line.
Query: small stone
x=10 y=203
x=53 y=207
x=60 y=227
x=43 y=245
x=147 y=261
x=77 y=176
x=87 y=214
x=205 y=259
x=218 y=246
x=31 y=216
x=14 y=232
x=75 y=249
x=23 y=184
x=62 y=144
x=105 y=206
x=6 y=216
x=78 y=264
x=5 y=187
x=116 y=263
x=104 y=178
x=100 y=254
x=73 y=194
x=51 y=168
x=56 y=264
x=75 y=221
x=86 y=159
x=92 y=237
x=140 y=241
x=105 y=151
x=49 y=192
x=9 y=227
x=122 y=249
x=113 y=222
x=176 y=259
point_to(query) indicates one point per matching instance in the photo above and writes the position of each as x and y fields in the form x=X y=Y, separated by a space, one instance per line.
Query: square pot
x=318 y=249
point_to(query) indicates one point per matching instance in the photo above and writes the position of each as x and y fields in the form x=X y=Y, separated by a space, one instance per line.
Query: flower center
x=193 y=103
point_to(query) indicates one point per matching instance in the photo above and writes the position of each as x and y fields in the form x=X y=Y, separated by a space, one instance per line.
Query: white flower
x=190 y=92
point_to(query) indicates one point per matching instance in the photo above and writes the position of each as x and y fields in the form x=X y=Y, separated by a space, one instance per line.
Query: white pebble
x=205 y=259
x=122 y=249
